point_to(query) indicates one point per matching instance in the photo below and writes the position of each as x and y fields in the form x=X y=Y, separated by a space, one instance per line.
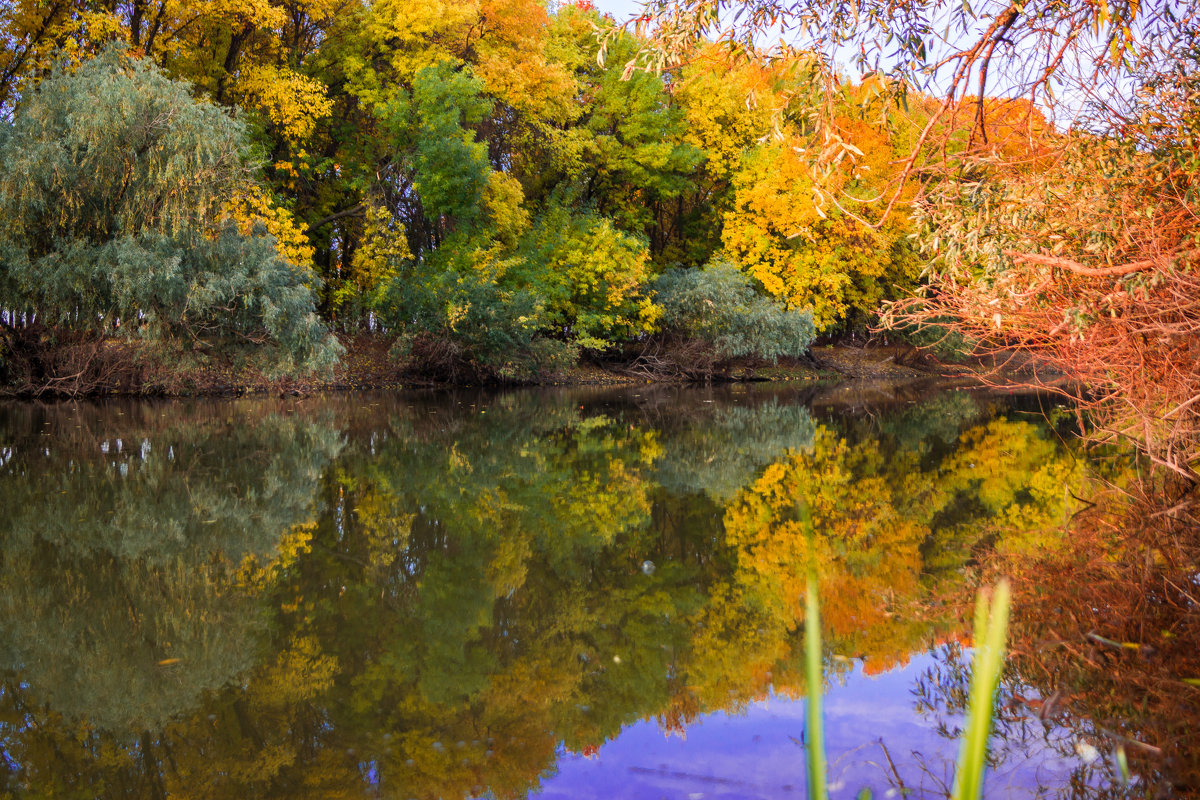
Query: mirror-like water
x=575 y=593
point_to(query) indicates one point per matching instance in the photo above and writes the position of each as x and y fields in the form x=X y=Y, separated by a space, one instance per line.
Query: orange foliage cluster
x=1128 y=333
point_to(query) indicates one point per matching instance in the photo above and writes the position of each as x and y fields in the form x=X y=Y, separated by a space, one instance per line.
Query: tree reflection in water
x=430 y=597
x=1115 y=654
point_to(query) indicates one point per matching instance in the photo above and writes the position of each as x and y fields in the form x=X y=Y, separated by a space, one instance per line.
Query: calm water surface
x=537 y=593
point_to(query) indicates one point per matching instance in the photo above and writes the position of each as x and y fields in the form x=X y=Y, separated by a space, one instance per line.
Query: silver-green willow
x=112 y=179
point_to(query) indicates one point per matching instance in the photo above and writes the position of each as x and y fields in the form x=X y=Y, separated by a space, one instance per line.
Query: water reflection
x=126 y=538
x=439 y=595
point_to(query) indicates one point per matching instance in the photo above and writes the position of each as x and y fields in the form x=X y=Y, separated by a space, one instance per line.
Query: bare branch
x=1080 y=269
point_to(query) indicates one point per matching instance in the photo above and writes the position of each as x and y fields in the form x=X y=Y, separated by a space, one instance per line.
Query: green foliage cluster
x=466 y=326
x=112 y=183
x=719 y=305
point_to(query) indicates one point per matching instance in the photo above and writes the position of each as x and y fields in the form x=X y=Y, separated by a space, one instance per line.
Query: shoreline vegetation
x=368 y=364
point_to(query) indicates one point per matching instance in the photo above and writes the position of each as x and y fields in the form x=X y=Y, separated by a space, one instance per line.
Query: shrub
x=718 y=305
x=461 y=324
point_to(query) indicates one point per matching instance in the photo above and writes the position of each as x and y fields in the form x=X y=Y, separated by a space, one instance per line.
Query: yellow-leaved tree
x=823 y=249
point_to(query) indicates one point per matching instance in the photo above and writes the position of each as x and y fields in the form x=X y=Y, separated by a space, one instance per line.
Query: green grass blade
x=991 y=629
x=815 y=740
x=1123 y=766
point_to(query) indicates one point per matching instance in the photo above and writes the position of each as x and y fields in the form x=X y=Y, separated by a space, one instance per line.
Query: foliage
x=291 y=102
x=112 y=192
x=987 y=50
x=635 y=158
x=460 y=322
x=1089 y=269
x=719 y=305
x=252 y=207
x=590 y=276
x=450 y=166
x=394 y=132
x=809 y=257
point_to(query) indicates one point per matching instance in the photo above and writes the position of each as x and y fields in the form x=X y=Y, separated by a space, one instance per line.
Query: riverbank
x=873 y=368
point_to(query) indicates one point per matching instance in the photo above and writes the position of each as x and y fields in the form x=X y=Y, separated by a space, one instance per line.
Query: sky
x=620 y=9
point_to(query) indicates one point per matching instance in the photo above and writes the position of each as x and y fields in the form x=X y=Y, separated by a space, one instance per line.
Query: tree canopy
x=468 y=177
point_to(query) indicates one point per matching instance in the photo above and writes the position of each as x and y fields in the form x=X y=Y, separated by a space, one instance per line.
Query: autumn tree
x=1032 y=247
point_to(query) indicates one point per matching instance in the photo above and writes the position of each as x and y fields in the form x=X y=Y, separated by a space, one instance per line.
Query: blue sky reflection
x=758 y=753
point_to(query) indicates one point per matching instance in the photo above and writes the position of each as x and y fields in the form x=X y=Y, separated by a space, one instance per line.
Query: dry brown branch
x=674 y=358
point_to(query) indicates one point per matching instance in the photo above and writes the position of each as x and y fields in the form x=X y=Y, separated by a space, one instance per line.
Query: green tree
x=111 y=194
x=626 y=155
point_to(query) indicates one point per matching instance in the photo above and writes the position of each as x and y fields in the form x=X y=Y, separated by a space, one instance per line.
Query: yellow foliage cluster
x=383 y=248
x=252 y=13
x=290 y=101
x=782 y=231
x=781 y=220
x=417 y=35
x=503 y=40
x=503 y=199
x=36 y=35
x=512 y=63
x=253 y=207
x=729 y=108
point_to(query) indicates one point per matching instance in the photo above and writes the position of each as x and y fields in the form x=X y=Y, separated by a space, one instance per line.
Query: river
x=583 y=593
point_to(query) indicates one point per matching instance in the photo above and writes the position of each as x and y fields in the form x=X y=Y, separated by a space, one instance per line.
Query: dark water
x=571 y=594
